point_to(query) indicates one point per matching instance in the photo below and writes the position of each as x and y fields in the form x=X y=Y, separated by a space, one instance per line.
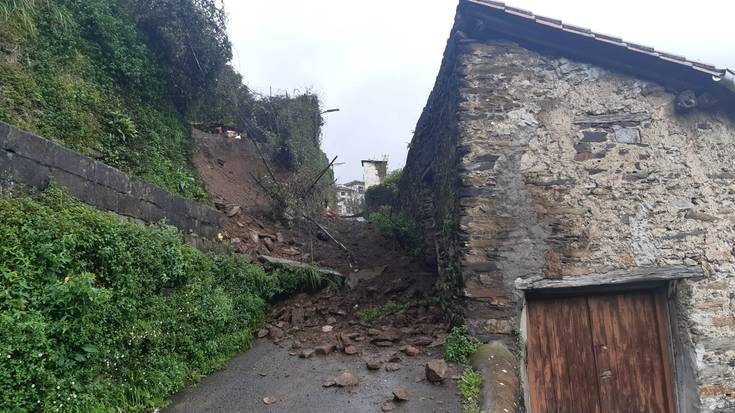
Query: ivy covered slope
x=99 y=315
x=113 y=79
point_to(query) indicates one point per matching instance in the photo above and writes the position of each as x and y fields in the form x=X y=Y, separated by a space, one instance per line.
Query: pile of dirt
x=387 y=303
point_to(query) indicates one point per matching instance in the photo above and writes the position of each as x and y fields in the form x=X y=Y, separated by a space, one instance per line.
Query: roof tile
x=581 y=31
x=520 y=12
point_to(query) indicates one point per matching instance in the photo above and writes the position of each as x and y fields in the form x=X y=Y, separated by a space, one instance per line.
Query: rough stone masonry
x=529 y=166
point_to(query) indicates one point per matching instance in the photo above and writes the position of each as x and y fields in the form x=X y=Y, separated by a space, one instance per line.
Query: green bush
x=385 y=194
x=460 y=346
x=99 y=315
x=399 y=227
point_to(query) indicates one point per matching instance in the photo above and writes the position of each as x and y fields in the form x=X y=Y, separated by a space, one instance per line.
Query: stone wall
x=566 y=169
x=31 y=161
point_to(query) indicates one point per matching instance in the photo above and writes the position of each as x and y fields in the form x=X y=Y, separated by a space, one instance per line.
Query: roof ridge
x=617 y=41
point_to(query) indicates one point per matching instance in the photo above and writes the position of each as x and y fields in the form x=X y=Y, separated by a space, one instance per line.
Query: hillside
x=122 y=81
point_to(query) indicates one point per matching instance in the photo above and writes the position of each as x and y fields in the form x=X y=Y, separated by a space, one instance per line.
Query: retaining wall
x=29 y=160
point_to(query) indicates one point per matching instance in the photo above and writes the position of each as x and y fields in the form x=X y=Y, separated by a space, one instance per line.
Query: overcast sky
x=377 y=60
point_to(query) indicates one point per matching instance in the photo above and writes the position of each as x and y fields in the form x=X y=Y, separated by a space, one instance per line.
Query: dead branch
x=321 y=174
x=267 y=167
x=350 y=258
x=268 y=192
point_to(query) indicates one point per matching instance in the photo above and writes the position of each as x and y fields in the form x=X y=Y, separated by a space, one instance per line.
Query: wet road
x=267 y=370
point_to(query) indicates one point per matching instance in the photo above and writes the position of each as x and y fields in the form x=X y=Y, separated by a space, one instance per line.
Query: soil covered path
x=342 y=349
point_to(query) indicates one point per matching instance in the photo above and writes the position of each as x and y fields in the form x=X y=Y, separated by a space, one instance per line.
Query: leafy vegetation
x=99 y=315
x=118 y=80
x=399 y=227
x=460 y=346
x=82 y=73
x=189 y=40
x=377 y=313
x=470 y=385
x=292 y=126
x=385 y=194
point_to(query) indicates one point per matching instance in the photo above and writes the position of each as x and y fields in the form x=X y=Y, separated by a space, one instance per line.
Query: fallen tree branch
x=350 y=258
x=321 y=174
x=267 y=167
x=268 y=192
x=298 y=264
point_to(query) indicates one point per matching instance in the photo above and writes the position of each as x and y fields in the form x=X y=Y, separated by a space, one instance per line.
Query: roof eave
x=539 y=30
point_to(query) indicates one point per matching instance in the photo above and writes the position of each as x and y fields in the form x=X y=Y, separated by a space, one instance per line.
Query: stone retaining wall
x=29 y=160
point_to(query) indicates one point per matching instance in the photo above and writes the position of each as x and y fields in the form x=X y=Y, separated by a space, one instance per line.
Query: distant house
x=374 y=172
x=350 y=198
x=577 y=193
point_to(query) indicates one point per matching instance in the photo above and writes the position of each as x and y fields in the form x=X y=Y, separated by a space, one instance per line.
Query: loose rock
x=374 y=364
x=421 y=341
x=268 y=244
x=388 y=406
x=327 y=329
x=346 y=379
x=233 y=210
x=269 y=400
x=400 y=394
x=276 y=333
x=392 y=366
x=351 y=350
x=410 y=350
x=325 y=349
x=436 y=371
x=262 y=332
x=305 y=354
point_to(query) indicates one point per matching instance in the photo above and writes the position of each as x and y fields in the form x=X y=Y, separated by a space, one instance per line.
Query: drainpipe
x=727 y=79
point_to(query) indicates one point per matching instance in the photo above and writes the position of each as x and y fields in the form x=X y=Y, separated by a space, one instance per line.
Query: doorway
x=600 y=353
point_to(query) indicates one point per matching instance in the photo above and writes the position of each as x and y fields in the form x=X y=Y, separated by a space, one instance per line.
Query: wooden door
x=599 y=354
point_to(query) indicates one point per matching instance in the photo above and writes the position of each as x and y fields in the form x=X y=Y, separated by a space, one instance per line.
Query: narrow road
x=296 y=384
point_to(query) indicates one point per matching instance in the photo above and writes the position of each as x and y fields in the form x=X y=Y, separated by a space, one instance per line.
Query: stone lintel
x=616 y=277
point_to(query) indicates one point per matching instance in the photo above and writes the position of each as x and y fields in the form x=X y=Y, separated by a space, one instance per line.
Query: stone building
x=577 y=193
x=350 y=198
x=374 y=172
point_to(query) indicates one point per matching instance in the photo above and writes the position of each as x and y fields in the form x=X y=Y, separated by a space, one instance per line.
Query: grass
x=460 y=346
x=378 y=313
x=292 y=280
x=470 y=385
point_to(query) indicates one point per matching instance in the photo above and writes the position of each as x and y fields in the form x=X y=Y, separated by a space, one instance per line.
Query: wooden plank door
x=599 y=353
